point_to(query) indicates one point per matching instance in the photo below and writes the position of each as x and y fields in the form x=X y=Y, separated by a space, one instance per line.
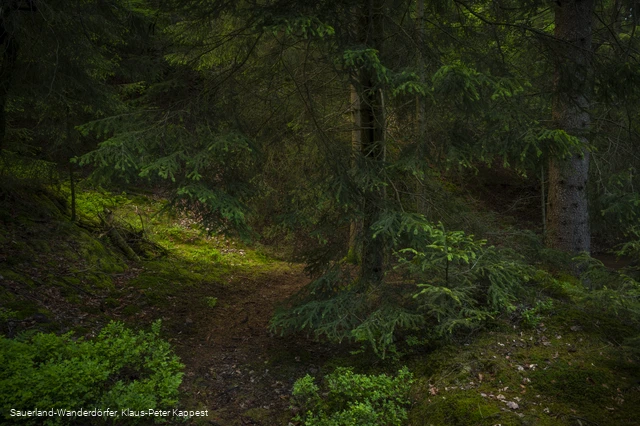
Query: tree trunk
x=355 y=233
x=568 y=215
x=372 y=138
x=9 y=59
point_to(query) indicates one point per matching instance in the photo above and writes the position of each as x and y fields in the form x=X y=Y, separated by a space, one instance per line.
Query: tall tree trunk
x=568 y=215
x=355 y=233
x=9 y=59
x=372 y=137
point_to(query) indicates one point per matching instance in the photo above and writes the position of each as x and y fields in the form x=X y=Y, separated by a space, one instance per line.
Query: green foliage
x=28 y=170
x=631 y=247
x=368 y=59
x=300 y=26
x=461 y=282
x=531 y=317
x=448 y=280
x=616 y=292
x=469 y=83
x=118 y=369
x=350 y=399
x=618 y=205
x=207 y=167
x=94 y=202
x=6 y=315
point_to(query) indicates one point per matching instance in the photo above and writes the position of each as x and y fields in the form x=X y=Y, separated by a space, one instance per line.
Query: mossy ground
x=565 y=370
x=214 y=294
x=551 y=363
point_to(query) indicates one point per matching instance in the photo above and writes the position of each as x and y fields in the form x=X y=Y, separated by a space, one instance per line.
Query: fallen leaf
x=512 y=405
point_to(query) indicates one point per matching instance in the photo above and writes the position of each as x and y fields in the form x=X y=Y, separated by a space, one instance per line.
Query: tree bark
x=355 y=232
x=568 y=215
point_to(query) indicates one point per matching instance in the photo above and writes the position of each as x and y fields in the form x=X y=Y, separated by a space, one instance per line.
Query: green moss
x=573 y=383
x=559 y=370
x=23 y=309
x=458 y=408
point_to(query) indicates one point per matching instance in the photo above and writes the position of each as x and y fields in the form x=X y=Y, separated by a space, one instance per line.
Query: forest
x=327 y=213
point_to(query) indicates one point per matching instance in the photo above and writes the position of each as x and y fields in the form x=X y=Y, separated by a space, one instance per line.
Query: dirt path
x=234 y=366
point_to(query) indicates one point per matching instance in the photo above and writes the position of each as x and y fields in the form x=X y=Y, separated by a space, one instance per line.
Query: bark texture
x=568 y=214
x=355 y=233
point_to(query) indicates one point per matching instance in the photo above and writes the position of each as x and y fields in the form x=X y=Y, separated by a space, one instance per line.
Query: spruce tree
x=568 y=215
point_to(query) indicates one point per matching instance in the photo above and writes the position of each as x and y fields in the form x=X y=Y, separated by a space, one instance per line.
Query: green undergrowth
x=120 y=369
x=350 y=399
x=556 y=362
x=43 y=251
x=195 y=260
x=45 y=256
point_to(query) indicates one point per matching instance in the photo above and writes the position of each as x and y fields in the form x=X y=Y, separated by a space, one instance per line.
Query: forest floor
x=550 y=363
x=215 y=298
x=235 y=367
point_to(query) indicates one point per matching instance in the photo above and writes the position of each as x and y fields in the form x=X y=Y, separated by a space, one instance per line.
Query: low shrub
x=353 y=399
x=119 y=369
